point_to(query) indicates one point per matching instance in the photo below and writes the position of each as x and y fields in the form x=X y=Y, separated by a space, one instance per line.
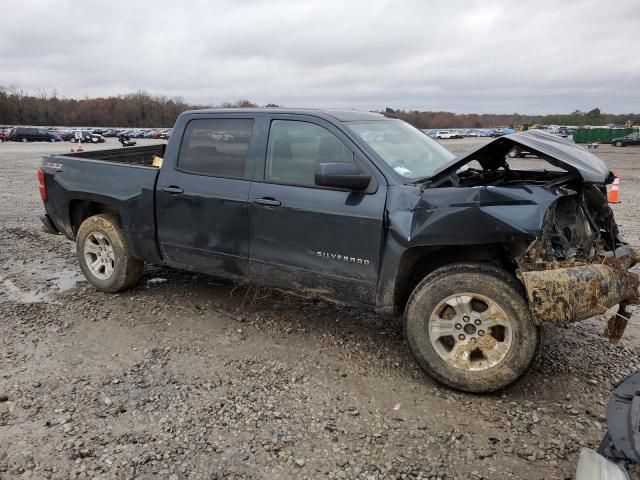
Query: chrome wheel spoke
x=493 y=350
x=108 y=267
x=442 y=328
x=492 y=317
x=461 y=304
x=460 y=355
x=91 y=247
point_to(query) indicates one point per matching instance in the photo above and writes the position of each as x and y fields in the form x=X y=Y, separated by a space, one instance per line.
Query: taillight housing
x=41 y=185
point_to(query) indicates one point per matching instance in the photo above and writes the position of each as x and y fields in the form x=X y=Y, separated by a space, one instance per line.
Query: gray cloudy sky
x=463 y=56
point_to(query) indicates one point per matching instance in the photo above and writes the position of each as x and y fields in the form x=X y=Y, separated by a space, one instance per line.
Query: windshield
x=410 y=152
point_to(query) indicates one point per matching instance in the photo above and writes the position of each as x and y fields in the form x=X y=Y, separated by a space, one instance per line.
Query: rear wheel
x=469 y=327
x=104 y=256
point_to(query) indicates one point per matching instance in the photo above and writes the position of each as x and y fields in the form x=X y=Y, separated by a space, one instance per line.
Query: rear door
x=202 y=195
x=308 y=237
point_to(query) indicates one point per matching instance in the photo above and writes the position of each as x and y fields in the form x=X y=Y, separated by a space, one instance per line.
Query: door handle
x=267 y=202
x=172 y=189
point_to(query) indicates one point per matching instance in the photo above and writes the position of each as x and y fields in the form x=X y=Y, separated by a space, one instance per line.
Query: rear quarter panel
x=125 y=189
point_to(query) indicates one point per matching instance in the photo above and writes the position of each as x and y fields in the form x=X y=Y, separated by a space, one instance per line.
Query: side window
x=295 y=148
x=216 y=147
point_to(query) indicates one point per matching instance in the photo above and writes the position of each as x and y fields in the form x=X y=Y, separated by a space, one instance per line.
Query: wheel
x=94 y=139
x=513 y=153
x=619 y=144
x=72 y=140
x=52 y=140
x=24 y=140
x=469 y=327
x=104 y=255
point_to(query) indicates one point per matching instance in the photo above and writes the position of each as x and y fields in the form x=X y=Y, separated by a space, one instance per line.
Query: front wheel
x=619 y=144
x=469 y=327
x=104 y=256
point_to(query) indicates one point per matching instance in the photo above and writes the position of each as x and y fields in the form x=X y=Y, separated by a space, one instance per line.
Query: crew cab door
x=202 y=195
x=303 y=236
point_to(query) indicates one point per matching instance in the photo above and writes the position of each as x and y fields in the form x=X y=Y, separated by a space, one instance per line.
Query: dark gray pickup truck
x=474 y=251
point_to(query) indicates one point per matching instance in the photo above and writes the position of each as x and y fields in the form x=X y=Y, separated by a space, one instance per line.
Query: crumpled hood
x=556 y=150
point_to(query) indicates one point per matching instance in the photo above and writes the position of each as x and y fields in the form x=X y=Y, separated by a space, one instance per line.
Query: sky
x=529 y=57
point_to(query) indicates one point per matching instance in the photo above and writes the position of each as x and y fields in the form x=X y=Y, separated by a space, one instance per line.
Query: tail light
x=42 y=185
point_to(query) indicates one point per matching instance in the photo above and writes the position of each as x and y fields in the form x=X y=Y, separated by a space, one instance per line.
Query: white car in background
x=445 y=134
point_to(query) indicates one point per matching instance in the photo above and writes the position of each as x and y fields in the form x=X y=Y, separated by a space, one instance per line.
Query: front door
x=314 y=238
x=201 y=201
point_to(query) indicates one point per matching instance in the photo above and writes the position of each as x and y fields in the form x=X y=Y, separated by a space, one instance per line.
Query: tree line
x=141 y=109
x=473 y=120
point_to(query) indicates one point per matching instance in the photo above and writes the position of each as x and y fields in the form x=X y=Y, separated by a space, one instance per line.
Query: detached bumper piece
x=48 y=225
x=565 y=295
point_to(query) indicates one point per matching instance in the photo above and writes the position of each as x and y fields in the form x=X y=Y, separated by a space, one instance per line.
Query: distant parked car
x=32 y=134
x=472 y=133
x=497 y=133
x=631 y=139
x=165 y=135
x=444 y=134
x=89 y=137
x=65 y=134
x=2 y=136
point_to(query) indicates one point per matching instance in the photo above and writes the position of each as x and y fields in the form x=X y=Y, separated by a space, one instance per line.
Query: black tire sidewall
x=490 y=283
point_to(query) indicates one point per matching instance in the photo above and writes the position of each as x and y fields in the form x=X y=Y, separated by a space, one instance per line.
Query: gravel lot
x=189 y=377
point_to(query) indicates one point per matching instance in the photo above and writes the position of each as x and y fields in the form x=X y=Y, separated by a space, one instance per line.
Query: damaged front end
x=578 y=267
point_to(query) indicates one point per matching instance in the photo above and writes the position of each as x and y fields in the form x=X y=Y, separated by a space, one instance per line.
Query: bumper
x=48 y=225
x=564 y=295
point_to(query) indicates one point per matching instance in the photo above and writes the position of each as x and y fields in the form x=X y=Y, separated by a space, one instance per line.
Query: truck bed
x=142 y=156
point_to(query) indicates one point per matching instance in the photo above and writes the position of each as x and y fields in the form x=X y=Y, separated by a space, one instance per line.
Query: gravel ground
x=189 y=377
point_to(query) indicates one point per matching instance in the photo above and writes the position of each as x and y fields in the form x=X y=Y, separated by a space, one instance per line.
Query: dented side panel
x=457 y=216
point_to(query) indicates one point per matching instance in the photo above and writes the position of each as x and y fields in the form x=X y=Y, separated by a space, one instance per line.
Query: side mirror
x=341 y=175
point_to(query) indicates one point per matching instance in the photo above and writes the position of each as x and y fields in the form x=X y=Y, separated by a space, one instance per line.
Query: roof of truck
x=341 y=115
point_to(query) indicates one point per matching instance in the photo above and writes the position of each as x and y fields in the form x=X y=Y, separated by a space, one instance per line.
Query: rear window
x=216 y=147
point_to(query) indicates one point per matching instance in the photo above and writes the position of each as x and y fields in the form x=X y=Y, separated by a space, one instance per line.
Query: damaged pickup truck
x=476 y=251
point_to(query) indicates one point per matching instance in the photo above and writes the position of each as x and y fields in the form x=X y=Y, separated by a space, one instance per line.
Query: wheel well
x=418 y=262
x=80 y=210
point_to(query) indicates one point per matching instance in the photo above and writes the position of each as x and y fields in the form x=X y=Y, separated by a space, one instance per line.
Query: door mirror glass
x=341 y=175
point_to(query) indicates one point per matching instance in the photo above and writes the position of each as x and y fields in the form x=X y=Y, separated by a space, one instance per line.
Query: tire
x=52 y=140
x=485 y=360
x=513 y=153
x=24 y=140
x=619 y=144
x=118 y=270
